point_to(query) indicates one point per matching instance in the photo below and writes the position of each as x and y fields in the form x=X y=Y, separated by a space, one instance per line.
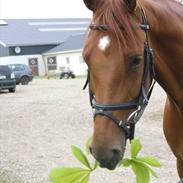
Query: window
x=17 y=67
x=67 y=60
x=33 y=61
x=52 y=63
x=81 y=60
x=34 y=65
x=4 y=70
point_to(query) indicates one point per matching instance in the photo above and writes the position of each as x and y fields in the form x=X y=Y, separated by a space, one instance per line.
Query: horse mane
x=115 y=14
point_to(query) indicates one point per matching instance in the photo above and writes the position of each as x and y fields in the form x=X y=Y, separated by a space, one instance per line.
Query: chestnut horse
x=122 y=68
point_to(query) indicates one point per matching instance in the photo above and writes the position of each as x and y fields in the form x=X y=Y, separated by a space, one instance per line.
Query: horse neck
x=166 y=36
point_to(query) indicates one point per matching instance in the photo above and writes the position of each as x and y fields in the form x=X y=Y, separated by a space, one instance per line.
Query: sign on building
x=52 y=63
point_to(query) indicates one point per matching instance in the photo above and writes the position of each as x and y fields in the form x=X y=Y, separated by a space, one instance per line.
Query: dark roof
x=74 y=42
x=27 y=32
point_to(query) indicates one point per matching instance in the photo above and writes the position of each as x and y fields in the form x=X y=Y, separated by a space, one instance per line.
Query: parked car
x=23 y=74
x=67 y=73
x=7 y=79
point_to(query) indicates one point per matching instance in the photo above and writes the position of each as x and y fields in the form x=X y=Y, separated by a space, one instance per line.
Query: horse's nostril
x=116 y=153
x=90 y=148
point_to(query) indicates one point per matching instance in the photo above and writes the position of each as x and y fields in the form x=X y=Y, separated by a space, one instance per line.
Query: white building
x=69 y=54
x=44 y=44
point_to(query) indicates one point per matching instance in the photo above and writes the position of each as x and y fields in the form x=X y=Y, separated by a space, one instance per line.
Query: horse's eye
x=134 y=62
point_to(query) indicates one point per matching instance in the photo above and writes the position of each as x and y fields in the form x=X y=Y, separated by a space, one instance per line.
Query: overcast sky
x=43 y=9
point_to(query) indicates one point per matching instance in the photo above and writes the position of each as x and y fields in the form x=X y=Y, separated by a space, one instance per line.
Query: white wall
x=74 y=57
x=24 y=60
x=75 y=65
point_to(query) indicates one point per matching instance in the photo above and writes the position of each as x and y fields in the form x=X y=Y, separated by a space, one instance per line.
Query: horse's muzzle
x=108 y=160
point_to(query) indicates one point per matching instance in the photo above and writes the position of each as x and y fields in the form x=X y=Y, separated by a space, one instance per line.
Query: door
x=33 y=64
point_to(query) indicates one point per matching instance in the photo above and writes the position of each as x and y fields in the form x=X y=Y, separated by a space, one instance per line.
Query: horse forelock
x=115 y=14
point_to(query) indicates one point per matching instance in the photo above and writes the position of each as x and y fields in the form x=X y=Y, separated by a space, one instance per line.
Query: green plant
x=140 y=166
x=76 y=174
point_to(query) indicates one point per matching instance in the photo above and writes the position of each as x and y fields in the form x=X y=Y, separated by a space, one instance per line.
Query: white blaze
x=104 y=43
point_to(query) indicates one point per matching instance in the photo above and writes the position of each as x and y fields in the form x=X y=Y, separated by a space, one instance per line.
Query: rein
x=140 y=103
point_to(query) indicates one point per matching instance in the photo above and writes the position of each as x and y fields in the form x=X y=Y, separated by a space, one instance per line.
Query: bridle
x=181 y=181
x=140 y=103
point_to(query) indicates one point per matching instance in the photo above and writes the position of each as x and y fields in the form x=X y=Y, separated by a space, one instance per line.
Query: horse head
x=115 y=52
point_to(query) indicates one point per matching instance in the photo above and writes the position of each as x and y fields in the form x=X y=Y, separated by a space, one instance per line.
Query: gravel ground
x=40 y=121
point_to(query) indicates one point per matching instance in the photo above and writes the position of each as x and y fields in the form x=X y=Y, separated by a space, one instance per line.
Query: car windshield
x=4 y=70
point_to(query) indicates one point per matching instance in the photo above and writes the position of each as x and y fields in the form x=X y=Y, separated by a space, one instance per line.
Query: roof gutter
x=34 y=44
x=62 y=52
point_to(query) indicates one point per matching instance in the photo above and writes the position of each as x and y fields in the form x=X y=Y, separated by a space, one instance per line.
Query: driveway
x=40 y=122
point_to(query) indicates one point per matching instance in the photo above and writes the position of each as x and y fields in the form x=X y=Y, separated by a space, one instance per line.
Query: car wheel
x=12 y=90
x=61 y=76
x=24 y=80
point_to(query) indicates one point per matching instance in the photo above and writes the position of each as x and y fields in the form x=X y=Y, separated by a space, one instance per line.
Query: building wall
x=75 y=62
x=24 y=60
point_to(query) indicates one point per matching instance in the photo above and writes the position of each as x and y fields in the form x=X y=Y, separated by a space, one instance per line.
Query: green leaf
x=80 y=156
x=142 y=174
x=150 y=160
x=76 y=178
x=153 y=173
x=146 y=166
x=135 y=147
x=126 y=162
x=85 y=179
x=95 y=165
x=67 y=175
x=87 y=145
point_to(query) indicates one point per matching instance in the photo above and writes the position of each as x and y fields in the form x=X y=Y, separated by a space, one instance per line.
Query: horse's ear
x=90 y=4
x=131 y=4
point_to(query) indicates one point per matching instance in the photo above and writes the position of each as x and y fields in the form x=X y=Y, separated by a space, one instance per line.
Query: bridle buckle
x=121 y=123
x=145 y=101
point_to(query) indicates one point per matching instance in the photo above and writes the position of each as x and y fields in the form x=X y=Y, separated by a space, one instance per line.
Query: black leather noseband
x=139 y=104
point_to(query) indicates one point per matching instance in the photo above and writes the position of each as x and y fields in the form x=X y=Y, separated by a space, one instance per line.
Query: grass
x=5 y=179
x=40 y=77
x=2 y=180
x=81 y=77
x=53 y=77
